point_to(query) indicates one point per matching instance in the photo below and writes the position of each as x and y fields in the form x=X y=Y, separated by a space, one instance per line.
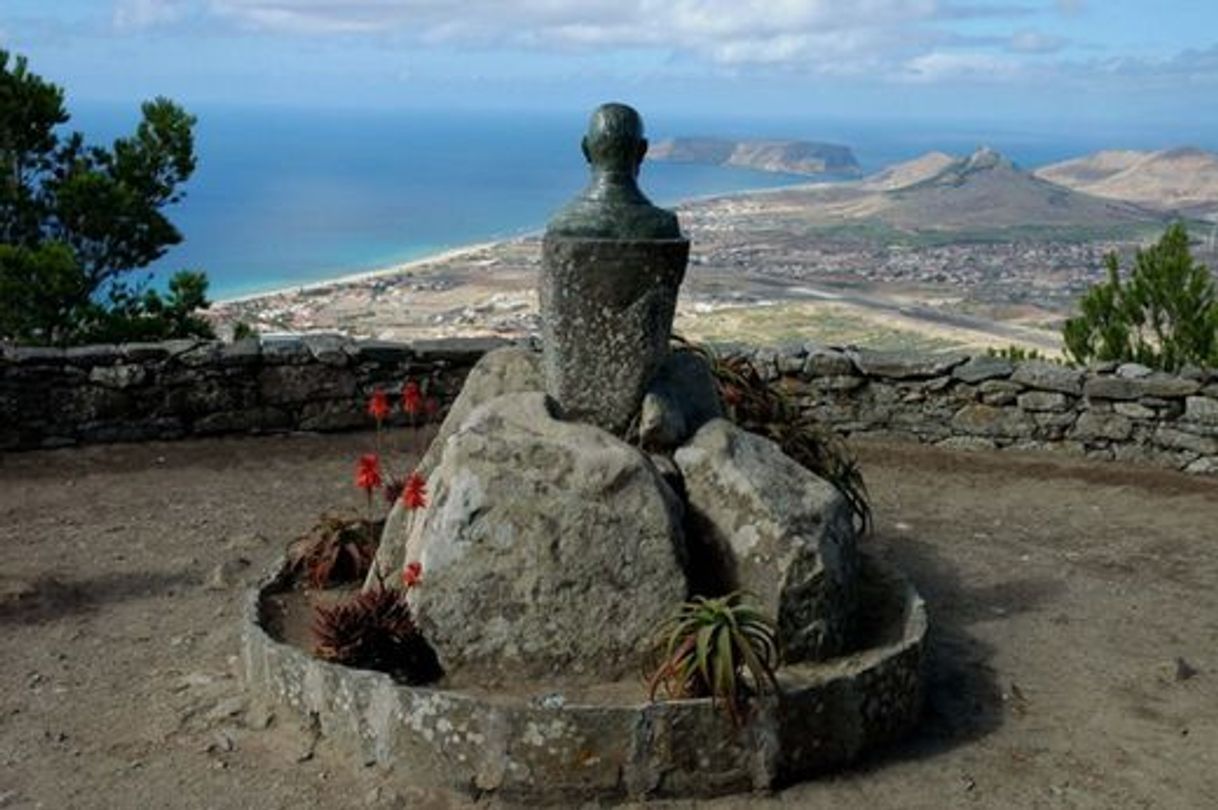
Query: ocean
x=284 y=197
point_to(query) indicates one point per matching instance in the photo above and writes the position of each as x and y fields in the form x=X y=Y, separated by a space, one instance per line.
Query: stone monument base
x=546 y=743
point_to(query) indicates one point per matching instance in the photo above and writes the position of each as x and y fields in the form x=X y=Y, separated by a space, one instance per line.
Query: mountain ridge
x=908 y=172
x=1181 y=179
x=981 y=195
x=986 y=188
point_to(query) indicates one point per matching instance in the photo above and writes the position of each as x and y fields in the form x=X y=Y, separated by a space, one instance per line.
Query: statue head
x=612 y=206
x=615 y=139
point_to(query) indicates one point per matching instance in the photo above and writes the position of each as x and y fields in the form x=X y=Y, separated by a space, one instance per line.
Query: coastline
x=372 y=275
x=461 y=251
x=766 y=268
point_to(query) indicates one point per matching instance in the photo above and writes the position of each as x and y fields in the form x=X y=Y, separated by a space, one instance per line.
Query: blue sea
x=284 y=197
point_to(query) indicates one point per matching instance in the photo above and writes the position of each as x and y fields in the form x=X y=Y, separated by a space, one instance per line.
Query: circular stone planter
x=539 y=746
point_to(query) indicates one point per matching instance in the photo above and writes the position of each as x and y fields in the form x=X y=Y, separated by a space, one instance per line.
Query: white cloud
x=1193 y=67
x=134 y=14
x=938 y=66
x=901 y=40
x=1030 y=41
x=816 y=35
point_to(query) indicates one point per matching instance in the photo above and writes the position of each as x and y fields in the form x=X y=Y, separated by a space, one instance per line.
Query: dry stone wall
x=136 y=392
x=1128 y=413
x=1110 y=412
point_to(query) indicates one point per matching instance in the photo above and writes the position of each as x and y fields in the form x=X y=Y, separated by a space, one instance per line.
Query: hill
x=1183 y=179
x=986 y=189
x=786 y=156
x=983 y=195
x=900 y=175
x=1090 y=169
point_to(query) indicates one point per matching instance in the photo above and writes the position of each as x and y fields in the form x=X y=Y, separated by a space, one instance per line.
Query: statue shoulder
x=587 y=221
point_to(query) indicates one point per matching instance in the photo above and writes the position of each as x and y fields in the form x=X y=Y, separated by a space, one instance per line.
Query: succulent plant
x=707 y=647
x=338 y=549
x=374 y=630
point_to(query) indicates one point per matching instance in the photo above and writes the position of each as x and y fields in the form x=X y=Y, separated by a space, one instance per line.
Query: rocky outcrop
x=549 y=548
x=776 y=530
x=507 y=370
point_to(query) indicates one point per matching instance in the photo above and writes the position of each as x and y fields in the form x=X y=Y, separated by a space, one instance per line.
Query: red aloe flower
x=412 y=398
x=368 y=473
x=412 y=574
x=414 y=494
x=378 y=405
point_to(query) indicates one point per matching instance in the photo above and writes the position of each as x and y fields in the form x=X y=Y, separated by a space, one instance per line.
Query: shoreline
x=371 y=275
x=473 y=247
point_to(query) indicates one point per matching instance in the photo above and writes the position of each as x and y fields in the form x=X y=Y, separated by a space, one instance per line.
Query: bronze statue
x=612 y=206
x=612 y=265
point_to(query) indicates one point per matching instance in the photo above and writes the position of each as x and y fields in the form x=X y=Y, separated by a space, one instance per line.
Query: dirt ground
x=1075 y=641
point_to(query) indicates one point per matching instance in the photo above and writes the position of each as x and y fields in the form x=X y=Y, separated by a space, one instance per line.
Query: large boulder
x=681 y=398
x=549 y=548
x=509 y=370
x=771 y=527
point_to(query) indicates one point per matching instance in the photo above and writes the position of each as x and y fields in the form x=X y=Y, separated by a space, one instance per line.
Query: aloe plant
x=338 y=549
x=374 y=629
x=708 y=645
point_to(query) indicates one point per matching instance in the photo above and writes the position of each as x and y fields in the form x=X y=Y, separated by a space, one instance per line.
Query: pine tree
x=1165 y=315
x=76 y=220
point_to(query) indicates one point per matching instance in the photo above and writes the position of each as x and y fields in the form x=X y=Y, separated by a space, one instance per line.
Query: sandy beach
x=453 y=255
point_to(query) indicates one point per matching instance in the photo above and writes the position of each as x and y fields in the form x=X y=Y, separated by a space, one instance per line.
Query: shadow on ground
x=49 y=598
x=964 y=699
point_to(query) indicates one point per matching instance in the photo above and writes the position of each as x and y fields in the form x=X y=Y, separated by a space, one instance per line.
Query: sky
x=1120 y=64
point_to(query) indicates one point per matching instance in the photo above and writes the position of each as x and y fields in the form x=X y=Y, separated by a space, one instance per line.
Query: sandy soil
x=1075 y=611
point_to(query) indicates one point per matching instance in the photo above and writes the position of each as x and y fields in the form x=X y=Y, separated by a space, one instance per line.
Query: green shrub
x=76 y=220
x=243 y=331
x=1015 y=353
x=1165 y=315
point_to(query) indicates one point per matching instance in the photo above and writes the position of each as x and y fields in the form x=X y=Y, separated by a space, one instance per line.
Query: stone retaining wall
x=52 y=397
x=1108 y=412
x=135 y=392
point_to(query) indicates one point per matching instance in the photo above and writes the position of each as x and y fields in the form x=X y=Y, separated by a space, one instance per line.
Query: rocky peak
x=986 y=158
x=983 y=163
